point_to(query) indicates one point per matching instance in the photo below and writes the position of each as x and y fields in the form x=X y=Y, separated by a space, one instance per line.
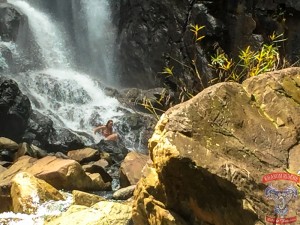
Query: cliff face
x=153 y=34
x=210 y=153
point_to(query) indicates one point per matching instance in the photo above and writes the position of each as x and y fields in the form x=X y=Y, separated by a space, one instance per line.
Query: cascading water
x=48 y=36
x=100 y=37
x=70 y=98
x=55 y=85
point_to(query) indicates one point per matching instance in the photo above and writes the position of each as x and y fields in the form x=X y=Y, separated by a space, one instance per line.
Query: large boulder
x=15 y=109
x=210 y=153
x=40 y=131
x=28 y=193
x=116 y=149
x=64 y=174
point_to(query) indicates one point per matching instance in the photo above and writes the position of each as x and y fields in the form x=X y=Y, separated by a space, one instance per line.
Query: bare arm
x=99 y=129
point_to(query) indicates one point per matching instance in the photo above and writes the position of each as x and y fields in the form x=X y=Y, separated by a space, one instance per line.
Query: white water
x=49 y=37
x=50 y=208
x=71 y=99
x=100 y=38
x=3 y=64
x=12 y=47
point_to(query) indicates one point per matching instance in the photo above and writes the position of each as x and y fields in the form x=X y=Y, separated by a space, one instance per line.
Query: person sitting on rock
x=107 y=131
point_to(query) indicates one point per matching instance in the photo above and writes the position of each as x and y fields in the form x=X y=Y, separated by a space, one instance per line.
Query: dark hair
x=108 y=122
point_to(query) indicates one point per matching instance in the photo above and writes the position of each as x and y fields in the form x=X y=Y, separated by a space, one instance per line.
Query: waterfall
x=48 y=36
x=100 y=35
x=95 y=35
x=72 y=99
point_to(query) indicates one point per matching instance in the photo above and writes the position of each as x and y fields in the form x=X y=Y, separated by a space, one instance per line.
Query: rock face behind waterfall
x=19 y=122
x=210 y=153
x=152 y=33
x=15 y=110
x=10 y=21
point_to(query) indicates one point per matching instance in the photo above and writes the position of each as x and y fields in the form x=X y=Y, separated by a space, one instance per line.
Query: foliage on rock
x=250 y=62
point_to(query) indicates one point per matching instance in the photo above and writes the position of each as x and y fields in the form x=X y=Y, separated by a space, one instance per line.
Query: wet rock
x=116 y=149
x=64 y=140
x=6 y=55
x=39 y=128
x=230 y=25
x=10 y=21
x=15 y=109
x=6 y=155
x=136 y=128
x=28 y=192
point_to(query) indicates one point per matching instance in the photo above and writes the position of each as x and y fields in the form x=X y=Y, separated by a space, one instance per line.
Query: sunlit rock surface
x=131 y=168
x=101 y=213
x=61 y=173
x=85 y=199
x=84 y=155
x=48 y=209
x=124 y=193
x=6 y=143
x=28 y=193
x=210 y=153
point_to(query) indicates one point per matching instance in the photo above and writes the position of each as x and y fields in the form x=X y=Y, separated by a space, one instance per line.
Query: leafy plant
x=196 y=29
x=149 y=104
x=249 y=63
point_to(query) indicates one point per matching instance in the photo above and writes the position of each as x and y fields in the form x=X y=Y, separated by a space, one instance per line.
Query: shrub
x=248 y=64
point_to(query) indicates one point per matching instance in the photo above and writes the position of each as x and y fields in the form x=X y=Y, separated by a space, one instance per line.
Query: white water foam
x=101 y=37
x=50 y=208
x=72 y=99
x=47 y=35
